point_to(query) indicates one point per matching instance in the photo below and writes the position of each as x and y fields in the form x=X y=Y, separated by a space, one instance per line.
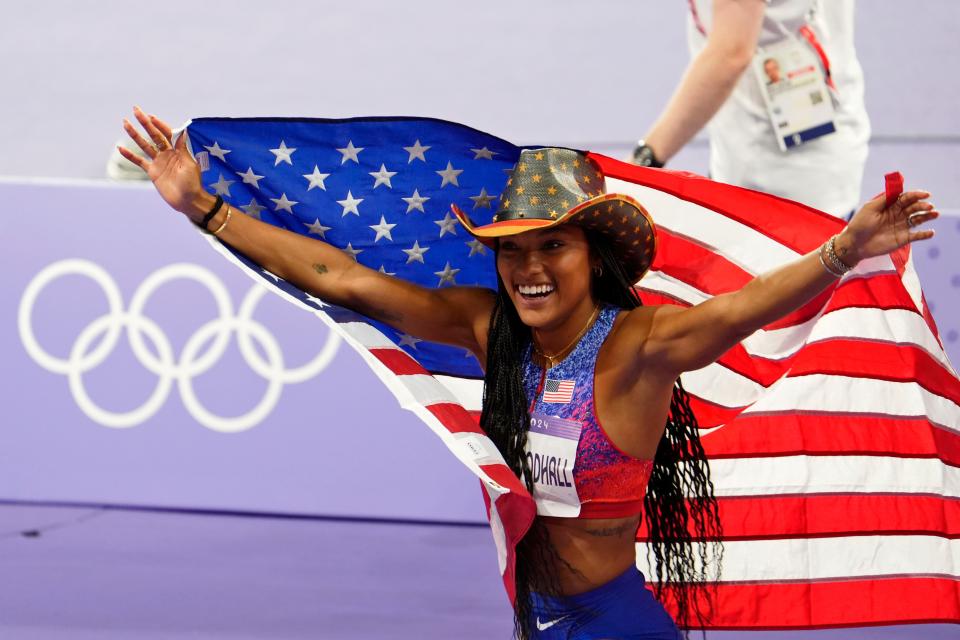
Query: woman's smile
x=535 y=296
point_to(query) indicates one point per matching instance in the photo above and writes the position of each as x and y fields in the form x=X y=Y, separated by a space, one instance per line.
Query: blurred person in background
x=804 y=137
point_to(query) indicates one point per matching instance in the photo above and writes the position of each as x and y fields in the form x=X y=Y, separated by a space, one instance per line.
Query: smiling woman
x=565 y=292
x=581 y=391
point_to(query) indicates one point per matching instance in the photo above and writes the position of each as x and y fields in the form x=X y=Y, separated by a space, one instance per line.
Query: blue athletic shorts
x=622 y=608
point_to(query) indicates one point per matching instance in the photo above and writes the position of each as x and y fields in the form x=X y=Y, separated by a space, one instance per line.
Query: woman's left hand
x=877 y=229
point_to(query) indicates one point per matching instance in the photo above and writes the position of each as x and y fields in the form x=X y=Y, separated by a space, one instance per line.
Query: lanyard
x=696 y=17
x=805 y=31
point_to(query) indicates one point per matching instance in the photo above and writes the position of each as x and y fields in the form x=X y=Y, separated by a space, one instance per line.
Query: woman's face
x=547 y=274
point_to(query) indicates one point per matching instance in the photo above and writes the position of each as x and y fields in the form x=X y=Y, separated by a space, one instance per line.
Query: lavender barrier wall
x=91 y=419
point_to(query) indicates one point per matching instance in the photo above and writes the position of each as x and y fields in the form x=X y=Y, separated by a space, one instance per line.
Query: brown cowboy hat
x=552 y=186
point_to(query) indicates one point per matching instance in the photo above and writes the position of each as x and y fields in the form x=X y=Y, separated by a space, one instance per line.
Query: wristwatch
x=643 y=155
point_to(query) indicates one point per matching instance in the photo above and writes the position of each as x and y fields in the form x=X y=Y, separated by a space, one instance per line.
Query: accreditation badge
x=551 y=454
x=795 y=92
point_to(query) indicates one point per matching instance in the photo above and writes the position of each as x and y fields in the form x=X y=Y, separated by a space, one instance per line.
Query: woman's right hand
x=172 y=169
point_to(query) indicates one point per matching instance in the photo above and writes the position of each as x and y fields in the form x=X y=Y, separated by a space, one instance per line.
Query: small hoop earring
x=598 y=270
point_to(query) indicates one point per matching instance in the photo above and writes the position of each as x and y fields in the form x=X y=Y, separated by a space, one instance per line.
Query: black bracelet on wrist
x=643 y=155
x=207 y=218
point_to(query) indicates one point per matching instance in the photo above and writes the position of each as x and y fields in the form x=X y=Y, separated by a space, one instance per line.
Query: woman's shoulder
x=634 y=324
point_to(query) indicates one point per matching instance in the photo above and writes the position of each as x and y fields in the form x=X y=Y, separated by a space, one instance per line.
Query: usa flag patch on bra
x=558 y=391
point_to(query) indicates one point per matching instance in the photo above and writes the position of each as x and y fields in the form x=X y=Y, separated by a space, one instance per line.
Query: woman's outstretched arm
x=674 y=339
x=453 y=315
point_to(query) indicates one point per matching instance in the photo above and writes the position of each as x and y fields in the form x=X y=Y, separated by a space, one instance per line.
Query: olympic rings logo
x=164 y=365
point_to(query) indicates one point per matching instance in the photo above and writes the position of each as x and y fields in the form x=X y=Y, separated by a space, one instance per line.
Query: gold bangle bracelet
x=225 y=221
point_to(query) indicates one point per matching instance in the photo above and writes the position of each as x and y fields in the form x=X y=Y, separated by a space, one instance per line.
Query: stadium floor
x=105 y=573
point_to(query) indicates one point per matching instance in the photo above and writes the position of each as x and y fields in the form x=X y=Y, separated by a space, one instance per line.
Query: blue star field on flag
x=378 y=188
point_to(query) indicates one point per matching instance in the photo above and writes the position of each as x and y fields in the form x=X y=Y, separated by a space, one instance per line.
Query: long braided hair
x=684 y=534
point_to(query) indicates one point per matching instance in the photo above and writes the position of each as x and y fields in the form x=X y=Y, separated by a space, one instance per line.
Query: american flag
x=833 y=433
x=558 y=391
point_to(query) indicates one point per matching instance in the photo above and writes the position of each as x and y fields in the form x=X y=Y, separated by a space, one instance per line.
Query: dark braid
x=505 y=419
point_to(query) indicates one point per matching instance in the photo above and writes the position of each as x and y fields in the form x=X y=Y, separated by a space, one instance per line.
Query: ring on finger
x=913 y=219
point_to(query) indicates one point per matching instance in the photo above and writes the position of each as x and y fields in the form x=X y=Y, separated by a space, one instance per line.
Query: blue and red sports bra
x=577 y=470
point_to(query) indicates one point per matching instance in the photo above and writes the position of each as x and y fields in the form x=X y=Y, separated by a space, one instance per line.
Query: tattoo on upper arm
x=320 y=268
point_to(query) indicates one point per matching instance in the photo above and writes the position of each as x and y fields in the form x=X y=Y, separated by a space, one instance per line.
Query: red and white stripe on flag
x=833 y=434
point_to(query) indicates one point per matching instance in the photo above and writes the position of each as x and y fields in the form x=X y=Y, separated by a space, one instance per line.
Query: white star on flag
x=284 y=204
x=275 y=277
x=448 y=224
x=316 y=179
x=383 y=177
x=317 y=228
x=416 y=152
x=253 y=209
x=385 y=272
x=217 y=152
x=415 y=253
x=449 y=175
x=415 y=201
x=317 y=301
x=407 y=340
x=448 y=275
x=482 y=200
x=476 y=247
x=350 y=204
x=249 y=177
x=383 y=229
x=350 y=152
x=353 y=252
x=282 y=153
x=483 y=153
x=222 y=186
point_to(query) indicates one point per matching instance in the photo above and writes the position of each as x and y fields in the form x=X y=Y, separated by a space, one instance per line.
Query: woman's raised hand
x=877 y=229
x=172 y=169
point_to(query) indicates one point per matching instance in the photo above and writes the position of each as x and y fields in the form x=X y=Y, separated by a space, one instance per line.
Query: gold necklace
x=552 y=360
